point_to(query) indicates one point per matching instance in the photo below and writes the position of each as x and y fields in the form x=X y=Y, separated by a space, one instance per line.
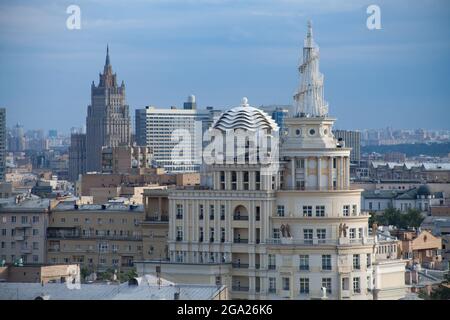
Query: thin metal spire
x=107 y=55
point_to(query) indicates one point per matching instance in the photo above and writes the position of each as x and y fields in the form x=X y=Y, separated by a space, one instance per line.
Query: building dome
x=424 y=190
x=245 y=117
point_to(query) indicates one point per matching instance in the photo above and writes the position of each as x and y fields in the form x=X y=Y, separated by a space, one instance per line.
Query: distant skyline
x=222 y=50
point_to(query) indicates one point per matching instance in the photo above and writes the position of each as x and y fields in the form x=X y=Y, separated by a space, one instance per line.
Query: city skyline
x=369 y=74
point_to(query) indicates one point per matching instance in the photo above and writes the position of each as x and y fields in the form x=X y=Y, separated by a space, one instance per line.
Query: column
x=293 y=173
x=341 y=172
x=319 y=173
x=306 y=172
x=330 y=173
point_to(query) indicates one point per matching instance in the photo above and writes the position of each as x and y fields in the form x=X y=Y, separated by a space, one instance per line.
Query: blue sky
x=222 y=50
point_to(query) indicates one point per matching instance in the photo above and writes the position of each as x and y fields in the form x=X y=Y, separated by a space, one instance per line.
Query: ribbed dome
x=245 y=117
x=424 y=190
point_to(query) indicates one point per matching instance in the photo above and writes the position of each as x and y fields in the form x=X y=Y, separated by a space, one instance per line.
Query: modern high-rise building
x=292 y=232
x=190 y=104
x=108 y=119
x=16 y=140
x=351 y=139
x=77 y=155
x=2 y=144
x=174 y=136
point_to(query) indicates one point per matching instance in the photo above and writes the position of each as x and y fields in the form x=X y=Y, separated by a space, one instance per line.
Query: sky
x=223 y=50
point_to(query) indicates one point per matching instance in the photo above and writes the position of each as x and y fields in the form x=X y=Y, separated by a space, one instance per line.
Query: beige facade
x=41 y=274
x=23 y=223
x=97 y=237
x=126 y=159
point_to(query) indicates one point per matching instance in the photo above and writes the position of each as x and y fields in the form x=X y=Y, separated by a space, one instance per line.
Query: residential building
x=126 y=159
x=42 y=274
x=174 y=136
x=293 y=232
x=77 y=155
x=23 y=223
x=98 y=237
x=351 y=139
x=108 y=120
x=421 y=198
x=427 y=172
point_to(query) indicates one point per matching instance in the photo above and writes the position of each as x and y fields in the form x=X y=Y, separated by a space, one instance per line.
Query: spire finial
x=107 y=55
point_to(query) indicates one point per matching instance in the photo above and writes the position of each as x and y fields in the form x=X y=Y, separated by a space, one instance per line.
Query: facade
x=297 y=232
x=2 y=144
x=23 y=223
x=77 y=155
x=421 y=198
x=426 y=172
x=108 y=120
x=168 y=130
x=126 y=159
x=98 y=237
x=352 y=139
x=42 y=274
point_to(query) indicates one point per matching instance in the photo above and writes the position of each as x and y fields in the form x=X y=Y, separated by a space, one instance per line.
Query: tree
x=126 y=276
x=413 y=218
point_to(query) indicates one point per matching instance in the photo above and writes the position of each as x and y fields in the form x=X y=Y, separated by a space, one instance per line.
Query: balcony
x=19 y=237
x=240 y=288
x=240 y=240
x=305 y=242
x=304 y=268
x=240 y=218
x=24 y=225
x=179 y=239
x=239 y=265
x=271 y=267
x=157 y=219
x=25 y=250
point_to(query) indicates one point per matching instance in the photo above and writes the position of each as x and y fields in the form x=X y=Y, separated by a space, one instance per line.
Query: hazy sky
x=222 y=50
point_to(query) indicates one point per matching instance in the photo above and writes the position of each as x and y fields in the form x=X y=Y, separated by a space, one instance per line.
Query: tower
x=108 y=119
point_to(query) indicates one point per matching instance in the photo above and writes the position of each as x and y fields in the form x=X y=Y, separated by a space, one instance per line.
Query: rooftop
x=146 y=288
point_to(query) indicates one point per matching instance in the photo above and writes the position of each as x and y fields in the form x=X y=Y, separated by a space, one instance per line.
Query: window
x=300 y=163
x=304 y=285
x=87 y=220
x=99 y=221
x=272 y=285
x=370 y=205
x=280 y=211
x=272 y=262
x=257 y=213
x=369 y=260
x=320 y=211
x=286 y=282
x=222 y=212
x=334 y=163
x=326 y=283
x=35 y=258
x=360 y=232
x=308 y=236
x=257 y=180
x=35 y=219
x=211 y=212
x=24 y=219
x=222 y=180
x=304 y=262
x=321 y=235
x=115 y=248
x=200 y=233
x=356 y=285
x=3 y=245
x=179 y=211
x=233 y=180
x=103 y=247
x=307 y=211
x=200 y=212
x=13 y=245
x=13 y=219
x=211 y=234
x=35 y=245
x=356 y=262
x=246 y=181
x=115 y=262
x=4 y=219
x=354 y=210
x=276 y=233
x=222 y=234
x=352 y=233
x=326 y=262
x=179 y=233
x=346 y=210
x=3 y=232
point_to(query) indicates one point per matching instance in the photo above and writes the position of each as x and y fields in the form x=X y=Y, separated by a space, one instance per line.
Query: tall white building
x=297 y=232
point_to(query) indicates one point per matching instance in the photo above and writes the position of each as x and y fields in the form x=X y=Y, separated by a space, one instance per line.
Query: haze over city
x=224 y=50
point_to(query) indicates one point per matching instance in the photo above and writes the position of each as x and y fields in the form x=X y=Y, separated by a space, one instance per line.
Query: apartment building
x=97 y=237
x=23 y=223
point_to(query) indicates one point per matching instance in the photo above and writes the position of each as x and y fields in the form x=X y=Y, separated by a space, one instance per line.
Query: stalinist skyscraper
x=108 y=119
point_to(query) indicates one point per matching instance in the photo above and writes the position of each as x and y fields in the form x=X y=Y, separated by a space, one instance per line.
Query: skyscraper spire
x=107 y=55
x=309 y=100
